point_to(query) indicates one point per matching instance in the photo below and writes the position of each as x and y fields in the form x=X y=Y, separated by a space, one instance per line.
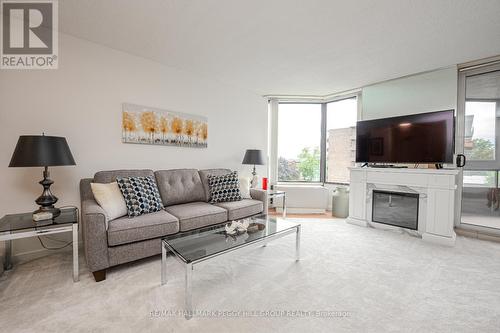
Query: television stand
x=436 y=190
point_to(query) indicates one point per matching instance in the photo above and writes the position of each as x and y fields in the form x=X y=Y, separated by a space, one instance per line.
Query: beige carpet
x=370 y=280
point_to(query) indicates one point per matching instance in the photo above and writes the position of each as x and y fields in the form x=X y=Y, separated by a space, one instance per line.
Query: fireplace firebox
x=395 y=208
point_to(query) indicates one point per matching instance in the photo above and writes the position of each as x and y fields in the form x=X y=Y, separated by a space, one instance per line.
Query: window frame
x=301 y=182
x=487 y=165
x=323 y=139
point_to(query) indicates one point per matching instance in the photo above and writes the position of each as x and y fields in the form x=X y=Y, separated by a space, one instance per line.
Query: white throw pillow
x=245 y=188
x=110 y=198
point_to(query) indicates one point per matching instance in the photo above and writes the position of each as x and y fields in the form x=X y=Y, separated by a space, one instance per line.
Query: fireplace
x=395 y=208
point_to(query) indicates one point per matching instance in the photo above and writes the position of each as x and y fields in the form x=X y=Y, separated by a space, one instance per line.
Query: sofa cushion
x=204 y=179
x=197 y=214
x=111 y=175
x=141 y=195
x=245 y=187
x=179 y=186
x=132 y=229
x=224 y=188
x=110 y=198
x=240 y=209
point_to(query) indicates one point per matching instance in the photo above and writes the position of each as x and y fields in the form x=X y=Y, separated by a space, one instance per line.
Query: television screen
x=417 y=138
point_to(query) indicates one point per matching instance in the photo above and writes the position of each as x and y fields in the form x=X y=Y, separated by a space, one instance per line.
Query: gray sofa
x=185 y=195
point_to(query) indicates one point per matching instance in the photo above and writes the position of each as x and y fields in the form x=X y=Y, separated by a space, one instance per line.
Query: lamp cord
x=58 y=240
x=53 y=248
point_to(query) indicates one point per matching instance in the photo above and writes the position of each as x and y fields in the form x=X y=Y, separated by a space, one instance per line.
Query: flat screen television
x=417 y=138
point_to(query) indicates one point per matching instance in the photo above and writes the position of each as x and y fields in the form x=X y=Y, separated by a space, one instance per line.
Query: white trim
x=315 y=98
x=273 y=141
x=479 y=63
x=440 y=240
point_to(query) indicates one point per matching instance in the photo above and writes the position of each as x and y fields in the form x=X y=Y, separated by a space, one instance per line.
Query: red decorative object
x=264 y=183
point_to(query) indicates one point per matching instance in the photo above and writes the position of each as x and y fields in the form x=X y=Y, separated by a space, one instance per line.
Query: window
x=479 y=142
x=317 y=141
x=299 y=141
x=479 y=116
x=341 y=117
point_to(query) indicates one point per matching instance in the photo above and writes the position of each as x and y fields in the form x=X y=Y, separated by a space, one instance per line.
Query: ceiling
x=292 y=47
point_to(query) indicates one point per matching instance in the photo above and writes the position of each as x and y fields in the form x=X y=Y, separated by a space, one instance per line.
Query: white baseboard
x=361 y=223
x=440 y=240
x=294 y=210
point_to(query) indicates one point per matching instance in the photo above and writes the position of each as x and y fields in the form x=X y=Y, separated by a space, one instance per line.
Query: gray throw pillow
x=224 y=188
x=141 y=195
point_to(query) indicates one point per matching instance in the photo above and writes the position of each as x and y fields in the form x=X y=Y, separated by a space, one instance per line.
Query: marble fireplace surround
x=436 y=189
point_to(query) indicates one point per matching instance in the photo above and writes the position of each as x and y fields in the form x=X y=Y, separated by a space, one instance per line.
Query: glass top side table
x=17 y=226
x=271 y=194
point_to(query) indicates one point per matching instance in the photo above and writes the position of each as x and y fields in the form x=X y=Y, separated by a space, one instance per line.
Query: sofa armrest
x=260 y=195
x=95 y=238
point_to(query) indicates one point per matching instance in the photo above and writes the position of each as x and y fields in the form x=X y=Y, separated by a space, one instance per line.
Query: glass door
x=479 y=120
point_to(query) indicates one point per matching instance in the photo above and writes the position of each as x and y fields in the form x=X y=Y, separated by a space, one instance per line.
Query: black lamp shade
x=41 y=151
x=253 y=156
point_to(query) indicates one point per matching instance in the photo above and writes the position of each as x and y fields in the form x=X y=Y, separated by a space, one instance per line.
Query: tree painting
x=149 y=125
x=128 y=124
x=163 y=128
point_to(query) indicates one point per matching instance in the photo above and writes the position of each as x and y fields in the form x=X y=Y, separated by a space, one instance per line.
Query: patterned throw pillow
x=224 y=188
x=141 y=195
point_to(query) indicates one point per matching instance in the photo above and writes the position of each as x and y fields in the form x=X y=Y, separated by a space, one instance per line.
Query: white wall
x=82 y=101
x=432 y=91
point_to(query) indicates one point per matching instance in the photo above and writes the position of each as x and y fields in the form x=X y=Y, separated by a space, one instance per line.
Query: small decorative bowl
x=254 y=227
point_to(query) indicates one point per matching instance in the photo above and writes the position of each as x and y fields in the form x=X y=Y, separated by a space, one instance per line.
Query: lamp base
x=254 y=182
x=47 y=200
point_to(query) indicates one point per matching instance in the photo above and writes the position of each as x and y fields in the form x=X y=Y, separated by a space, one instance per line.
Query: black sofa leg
x=99 y=275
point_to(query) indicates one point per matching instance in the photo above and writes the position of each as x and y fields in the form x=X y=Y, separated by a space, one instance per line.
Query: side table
x=17 y=226
x=272 y=194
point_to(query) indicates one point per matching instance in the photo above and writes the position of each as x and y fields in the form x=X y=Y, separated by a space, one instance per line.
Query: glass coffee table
x=193 y=247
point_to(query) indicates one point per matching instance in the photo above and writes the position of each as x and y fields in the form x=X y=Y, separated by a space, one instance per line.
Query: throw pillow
x=224 y=188
x=245 y=187
x=141 y=195
x=110 y=198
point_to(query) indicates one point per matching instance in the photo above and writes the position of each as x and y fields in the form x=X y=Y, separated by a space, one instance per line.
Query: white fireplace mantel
x=436 y=188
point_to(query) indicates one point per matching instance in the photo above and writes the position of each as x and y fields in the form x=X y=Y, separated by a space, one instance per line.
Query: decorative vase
x=340 y=202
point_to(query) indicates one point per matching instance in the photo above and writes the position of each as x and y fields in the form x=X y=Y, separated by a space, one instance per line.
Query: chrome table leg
x=76 y=275
x=188 y=291
x=163 y=264
x=297 y=243
x=7 y=263
x=284 y=205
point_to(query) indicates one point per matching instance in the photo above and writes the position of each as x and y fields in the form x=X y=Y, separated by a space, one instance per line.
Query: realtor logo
x=29 y=37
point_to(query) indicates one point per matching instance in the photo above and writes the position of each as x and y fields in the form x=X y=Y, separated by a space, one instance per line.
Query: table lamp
x=253 y=157
x=43 y=151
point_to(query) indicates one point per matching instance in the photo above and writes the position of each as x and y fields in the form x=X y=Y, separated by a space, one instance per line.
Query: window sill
x=310 y=183
x=299 y=184
x=337 y=183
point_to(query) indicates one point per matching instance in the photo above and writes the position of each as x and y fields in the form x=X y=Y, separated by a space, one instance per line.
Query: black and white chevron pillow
x=224 y=188
x=141 y=195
